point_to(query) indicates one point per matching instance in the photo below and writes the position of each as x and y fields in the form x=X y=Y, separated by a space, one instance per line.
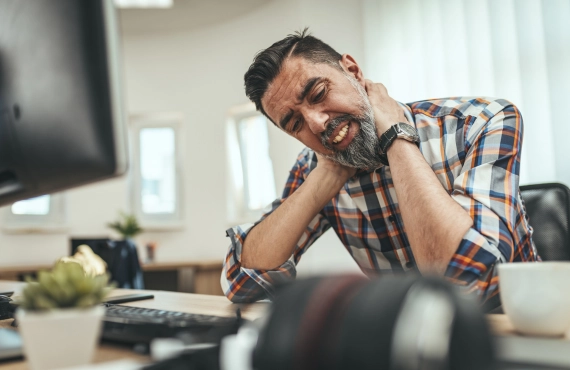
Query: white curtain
x=513 y=49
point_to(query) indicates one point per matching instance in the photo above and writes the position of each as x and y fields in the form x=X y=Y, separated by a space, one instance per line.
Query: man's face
x=326 y=109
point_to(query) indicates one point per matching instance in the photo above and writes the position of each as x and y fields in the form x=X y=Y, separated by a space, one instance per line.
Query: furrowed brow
x=306 y=89
x=308 y=86
x=285 y=119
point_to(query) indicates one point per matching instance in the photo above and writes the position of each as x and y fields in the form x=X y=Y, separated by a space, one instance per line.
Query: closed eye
x=317 y=98
x=296 y=126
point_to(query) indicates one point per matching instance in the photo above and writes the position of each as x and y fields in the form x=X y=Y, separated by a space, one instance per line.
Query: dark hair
x=267 y=63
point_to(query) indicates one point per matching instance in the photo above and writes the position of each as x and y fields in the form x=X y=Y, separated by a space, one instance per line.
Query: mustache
x=333 y=125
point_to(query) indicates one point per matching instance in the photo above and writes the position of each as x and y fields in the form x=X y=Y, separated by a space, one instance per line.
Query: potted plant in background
x=59 y=316
x=127 y=226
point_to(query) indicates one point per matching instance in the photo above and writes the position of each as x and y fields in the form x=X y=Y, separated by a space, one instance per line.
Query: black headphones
x=350 y=322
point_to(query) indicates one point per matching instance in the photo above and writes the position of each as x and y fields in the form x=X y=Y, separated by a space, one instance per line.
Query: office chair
x=548 y=208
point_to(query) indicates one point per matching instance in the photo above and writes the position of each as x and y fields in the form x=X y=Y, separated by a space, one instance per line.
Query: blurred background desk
x=202 y=277
x=514 y=347
x=171 y=301
x=188 y=277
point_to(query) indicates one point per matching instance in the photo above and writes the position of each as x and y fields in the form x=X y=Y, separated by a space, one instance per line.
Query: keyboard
x=141 y=325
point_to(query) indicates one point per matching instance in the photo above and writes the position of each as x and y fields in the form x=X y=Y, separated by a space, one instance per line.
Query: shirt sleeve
x=488 y=188
x=243 y=285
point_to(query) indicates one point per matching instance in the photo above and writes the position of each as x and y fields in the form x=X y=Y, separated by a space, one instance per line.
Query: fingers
x=378 y=88
x=367 y=85
x=329 y=165
x=387 y=111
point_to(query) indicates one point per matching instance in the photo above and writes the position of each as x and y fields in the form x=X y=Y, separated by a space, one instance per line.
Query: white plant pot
x=60 y=338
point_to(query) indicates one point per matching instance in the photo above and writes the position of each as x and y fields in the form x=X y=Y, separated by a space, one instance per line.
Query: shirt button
x=391 y=218
x=409 y=265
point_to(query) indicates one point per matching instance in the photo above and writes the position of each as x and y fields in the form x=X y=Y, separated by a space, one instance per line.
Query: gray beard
x=364 y=150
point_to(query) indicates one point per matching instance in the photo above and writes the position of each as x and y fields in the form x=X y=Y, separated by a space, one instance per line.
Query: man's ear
x=350 y=66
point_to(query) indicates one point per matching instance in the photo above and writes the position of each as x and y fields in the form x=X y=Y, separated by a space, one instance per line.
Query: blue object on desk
x=10 y=344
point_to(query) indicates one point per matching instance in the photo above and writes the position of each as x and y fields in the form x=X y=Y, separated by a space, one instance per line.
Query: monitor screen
x=61 y=117
x=96 y=244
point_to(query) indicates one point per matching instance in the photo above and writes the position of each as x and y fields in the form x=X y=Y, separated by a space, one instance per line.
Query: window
x=251 y=169
x=33 y=206
x=43 y=213
x=156 y=171
x=259 y=184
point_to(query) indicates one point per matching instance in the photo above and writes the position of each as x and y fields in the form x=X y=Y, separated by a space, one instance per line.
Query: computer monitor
x=61 y=117
x=96 y=244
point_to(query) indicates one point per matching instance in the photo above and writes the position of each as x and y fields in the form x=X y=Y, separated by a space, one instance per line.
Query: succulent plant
x=65 y=286
x=127 y=225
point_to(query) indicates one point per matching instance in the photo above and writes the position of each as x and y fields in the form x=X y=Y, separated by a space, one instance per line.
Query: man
x=429 y=186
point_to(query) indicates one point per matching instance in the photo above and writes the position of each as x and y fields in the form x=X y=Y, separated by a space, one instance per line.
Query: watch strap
x=388 y=137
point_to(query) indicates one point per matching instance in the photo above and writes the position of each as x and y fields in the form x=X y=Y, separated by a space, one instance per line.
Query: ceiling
x=185 y=15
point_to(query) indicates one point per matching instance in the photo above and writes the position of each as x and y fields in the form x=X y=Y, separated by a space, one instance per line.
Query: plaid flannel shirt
x=473 y=146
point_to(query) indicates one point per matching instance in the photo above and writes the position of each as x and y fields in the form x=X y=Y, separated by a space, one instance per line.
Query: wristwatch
x=400 y=130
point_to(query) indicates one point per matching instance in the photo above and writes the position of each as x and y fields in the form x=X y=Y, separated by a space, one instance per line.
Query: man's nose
x=317 y=120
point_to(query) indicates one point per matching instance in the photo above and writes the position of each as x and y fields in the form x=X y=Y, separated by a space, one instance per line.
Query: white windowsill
x=157 y=226
x=35 y=229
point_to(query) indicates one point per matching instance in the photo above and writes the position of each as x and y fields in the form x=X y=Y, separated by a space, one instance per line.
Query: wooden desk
x=216 y=305
x=16 y=272
x=172 y=301
x=202 y=277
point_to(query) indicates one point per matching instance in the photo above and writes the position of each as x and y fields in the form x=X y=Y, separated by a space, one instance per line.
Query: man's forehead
x=289 y=79
x=286 y=86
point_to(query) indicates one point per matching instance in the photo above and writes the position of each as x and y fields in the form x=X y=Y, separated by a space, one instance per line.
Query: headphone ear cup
x=323 y=316
x=471 y=346
x=302 y=312
x=349 y=322
x=366 y=332
x=276 y=343
x=468 y=341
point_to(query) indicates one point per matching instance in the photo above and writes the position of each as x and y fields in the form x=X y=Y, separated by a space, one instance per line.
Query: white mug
x=536 y=296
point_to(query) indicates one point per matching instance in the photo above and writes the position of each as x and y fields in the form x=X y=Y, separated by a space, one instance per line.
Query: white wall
x=513 y=49
x=199 y=73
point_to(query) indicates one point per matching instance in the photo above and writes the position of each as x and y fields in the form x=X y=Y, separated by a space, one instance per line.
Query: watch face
x=409 y=130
